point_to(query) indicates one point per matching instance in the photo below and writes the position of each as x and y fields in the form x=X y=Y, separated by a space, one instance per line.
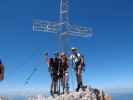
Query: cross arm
x=46 y=26
x=79 y=31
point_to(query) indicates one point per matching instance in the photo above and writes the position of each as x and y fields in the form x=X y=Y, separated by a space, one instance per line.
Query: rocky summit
x=86 y=94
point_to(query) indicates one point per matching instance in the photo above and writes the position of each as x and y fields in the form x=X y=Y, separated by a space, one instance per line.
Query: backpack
x=83 y=61
x=79 y=60
x=54 y=64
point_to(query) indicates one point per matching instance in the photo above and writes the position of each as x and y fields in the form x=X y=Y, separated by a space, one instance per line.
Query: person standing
x=1 y=71
x=64 y=72
x=78 y=64
x=53 y=64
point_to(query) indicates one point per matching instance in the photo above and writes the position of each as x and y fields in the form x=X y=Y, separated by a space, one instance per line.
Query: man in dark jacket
x=1 y=71
x=53 y=67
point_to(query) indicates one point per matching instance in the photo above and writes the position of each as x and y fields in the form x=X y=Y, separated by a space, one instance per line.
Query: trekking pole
x=30 y=76
x=66 y=82
x=72 y=75
x=59 y=86
x=58 y=82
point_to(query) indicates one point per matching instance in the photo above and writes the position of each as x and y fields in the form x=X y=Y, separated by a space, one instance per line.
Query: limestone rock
x=87 y=94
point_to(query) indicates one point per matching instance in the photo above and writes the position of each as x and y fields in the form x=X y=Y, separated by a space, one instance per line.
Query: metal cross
x=62 y=28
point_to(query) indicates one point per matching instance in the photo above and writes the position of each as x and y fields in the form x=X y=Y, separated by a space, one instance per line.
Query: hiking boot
x=51 y=92
x=77 y=89
x=83 y=87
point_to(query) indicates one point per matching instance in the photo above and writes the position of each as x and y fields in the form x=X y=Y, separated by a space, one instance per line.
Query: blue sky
x=109 y=56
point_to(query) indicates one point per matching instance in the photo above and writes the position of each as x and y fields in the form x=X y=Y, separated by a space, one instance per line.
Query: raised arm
x=46 y=59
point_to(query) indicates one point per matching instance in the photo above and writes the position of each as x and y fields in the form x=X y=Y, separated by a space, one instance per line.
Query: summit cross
x=63 y=28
